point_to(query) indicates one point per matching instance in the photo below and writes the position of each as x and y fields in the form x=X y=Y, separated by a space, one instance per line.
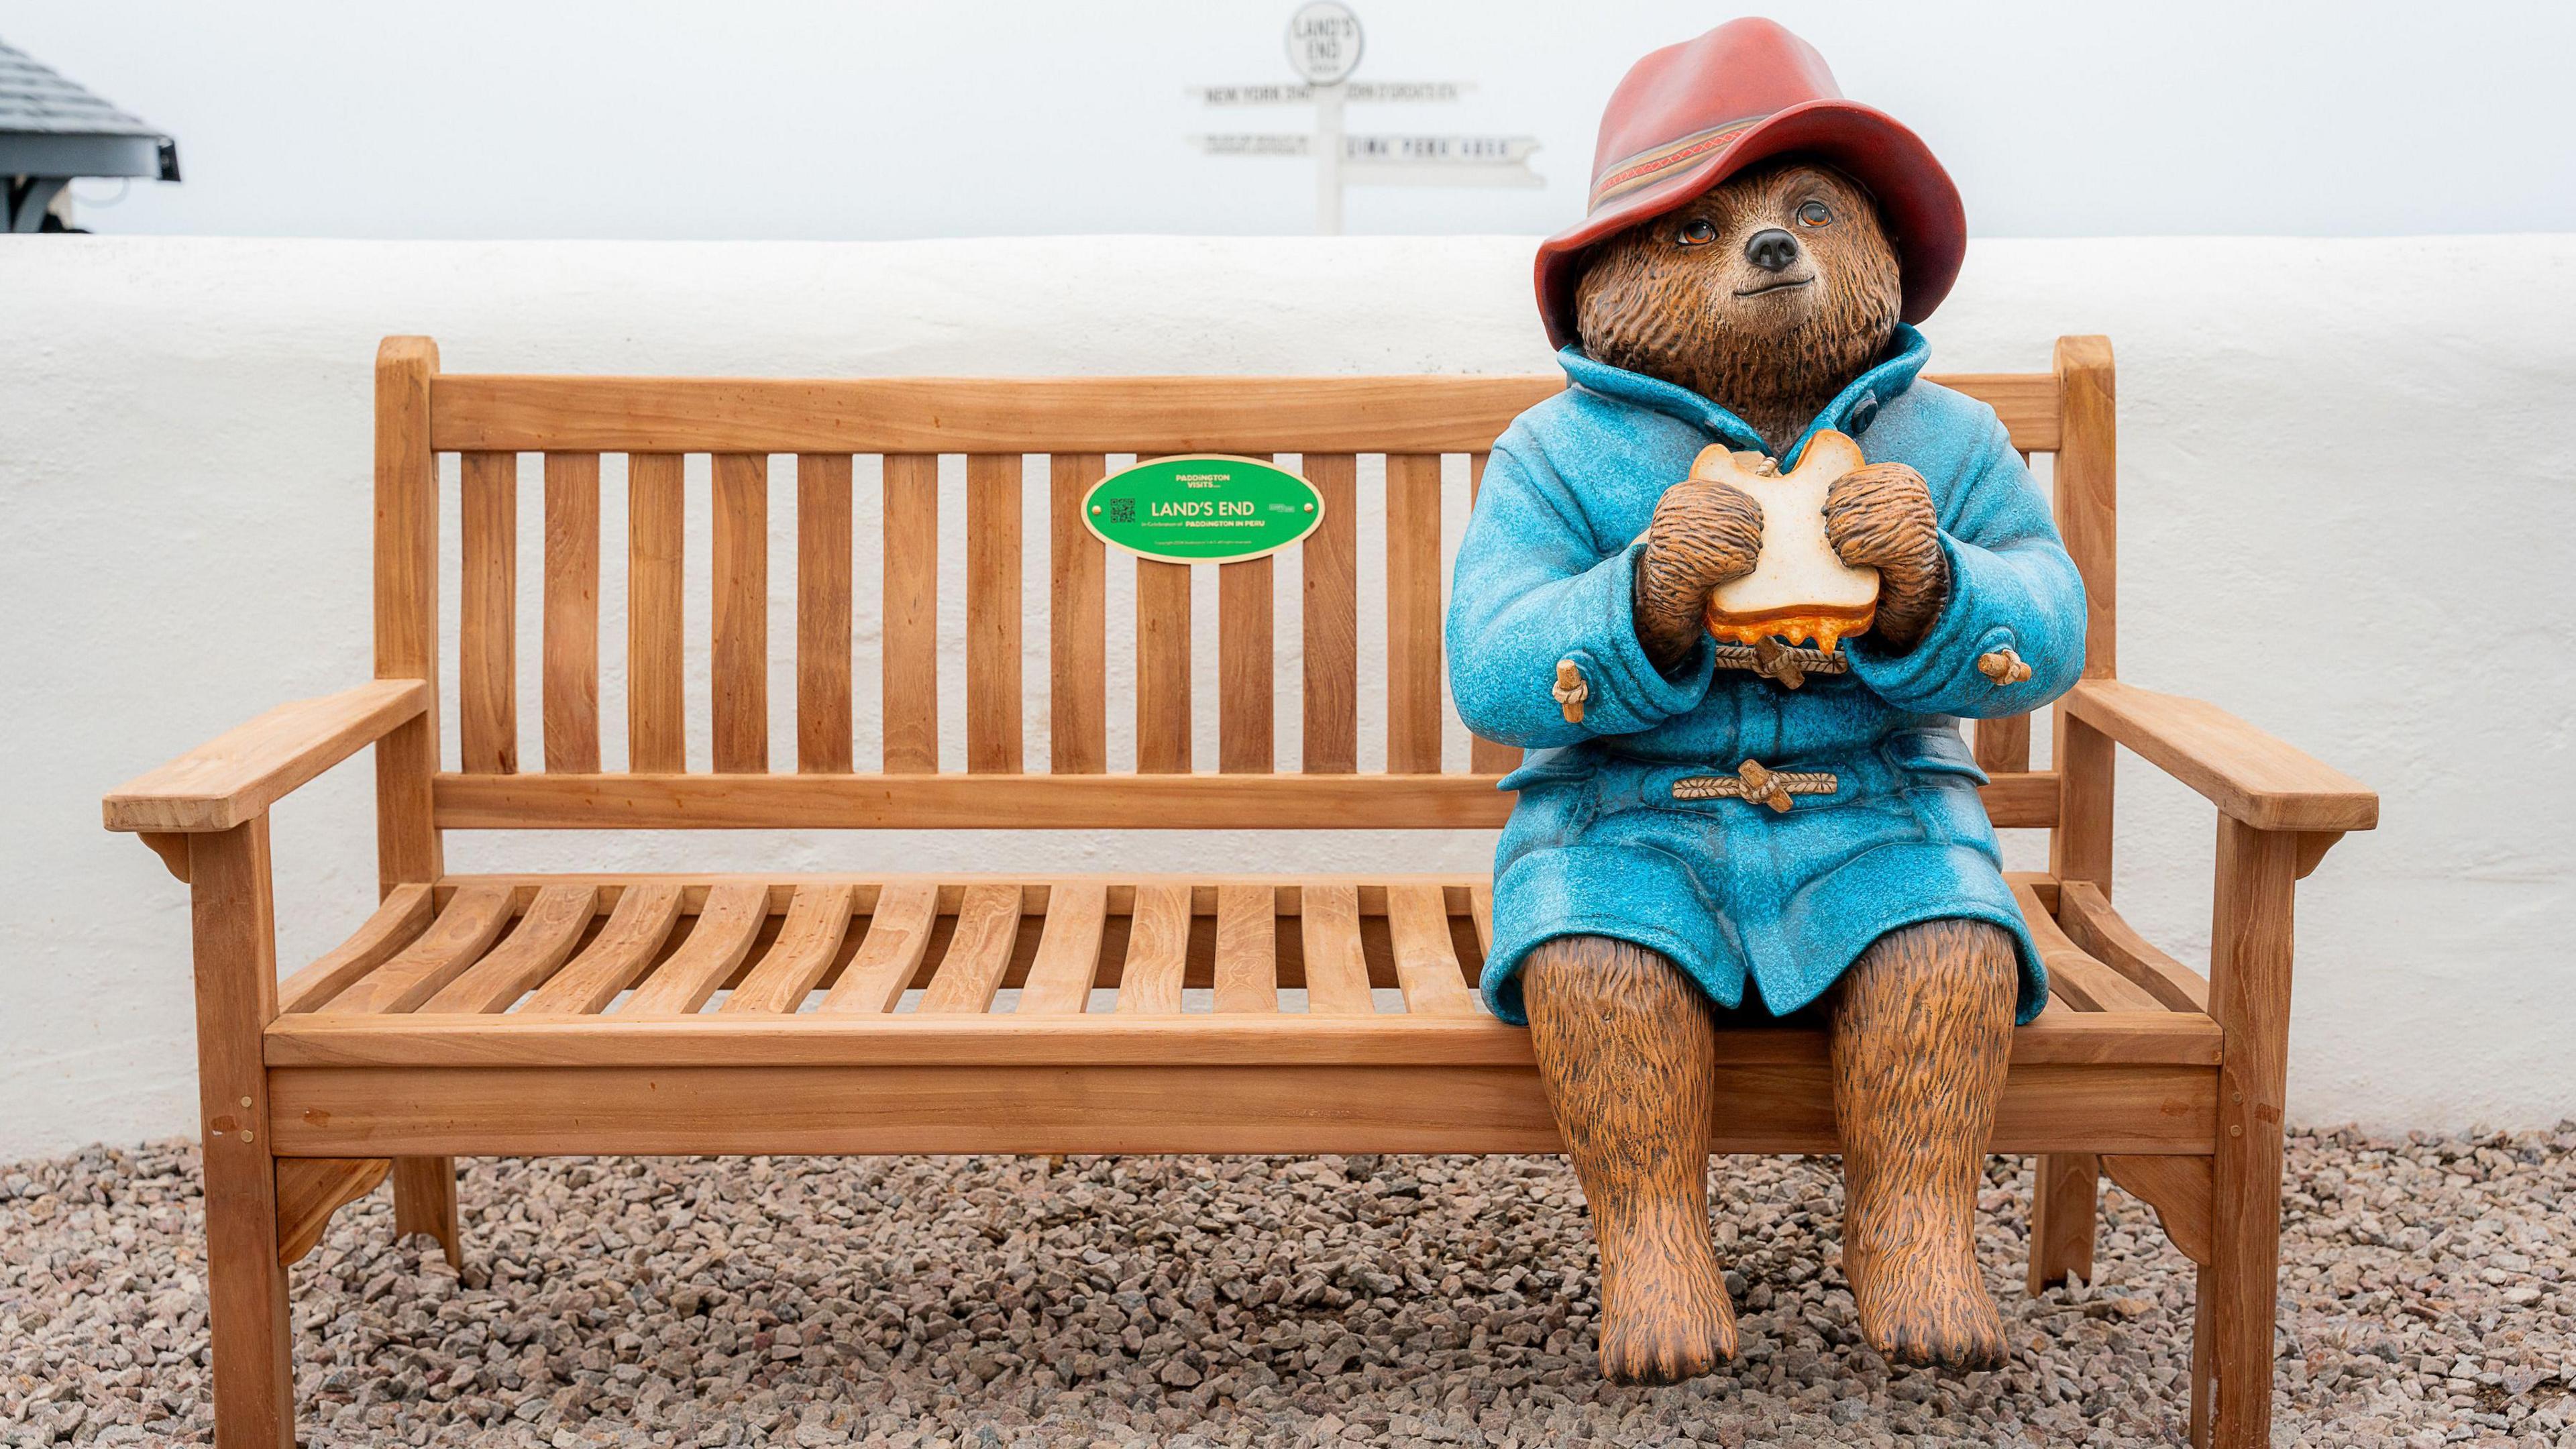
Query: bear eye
x=1814 y=213
x=1698 y=231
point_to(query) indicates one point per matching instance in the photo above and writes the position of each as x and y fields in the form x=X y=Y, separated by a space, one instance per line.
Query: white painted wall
x=2345 y=473
x=814 y=120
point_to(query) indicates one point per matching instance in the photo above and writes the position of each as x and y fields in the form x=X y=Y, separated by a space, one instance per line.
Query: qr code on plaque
x=1122 y=510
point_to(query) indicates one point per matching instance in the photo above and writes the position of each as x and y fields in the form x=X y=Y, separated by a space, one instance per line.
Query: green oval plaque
x=1205 y=508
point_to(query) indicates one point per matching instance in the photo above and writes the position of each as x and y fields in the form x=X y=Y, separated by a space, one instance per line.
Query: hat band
x=1648 y=167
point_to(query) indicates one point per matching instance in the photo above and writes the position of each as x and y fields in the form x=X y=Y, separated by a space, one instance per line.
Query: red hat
x=1691 y=115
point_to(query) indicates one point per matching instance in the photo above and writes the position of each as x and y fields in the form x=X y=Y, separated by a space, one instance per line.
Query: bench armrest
x=2247 y=774
x=237 y=775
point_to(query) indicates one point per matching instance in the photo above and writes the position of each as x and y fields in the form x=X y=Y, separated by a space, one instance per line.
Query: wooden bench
x=1020 y=1013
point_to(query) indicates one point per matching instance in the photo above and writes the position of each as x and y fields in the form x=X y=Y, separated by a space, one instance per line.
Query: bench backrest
x=1054 y=436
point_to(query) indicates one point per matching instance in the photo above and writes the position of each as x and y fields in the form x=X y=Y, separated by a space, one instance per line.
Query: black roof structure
x=51 y=130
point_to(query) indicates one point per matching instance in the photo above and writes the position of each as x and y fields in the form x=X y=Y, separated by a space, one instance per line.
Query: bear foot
x=1924 y=1305
x=1665 y=1315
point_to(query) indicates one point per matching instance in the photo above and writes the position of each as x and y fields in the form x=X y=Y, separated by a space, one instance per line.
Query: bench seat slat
x=988 y=925
x=1068 y=958
x=817 y=921
x=463 y=932
x=546 y=934
x=890 y=954
x=1247 y=948
x=635 y=931
x=1426 y=956
x=2091 y=922
x=1337 y=981
x=2086 y=984
x=406 y=913
x=1158 y=950
x=723 y=935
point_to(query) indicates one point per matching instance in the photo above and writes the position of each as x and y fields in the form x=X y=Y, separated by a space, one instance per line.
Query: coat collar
x=1852 y=410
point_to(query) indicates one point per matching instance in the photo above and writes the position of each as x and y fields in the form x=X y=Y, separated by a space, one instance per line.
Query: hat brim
x=1915 y=197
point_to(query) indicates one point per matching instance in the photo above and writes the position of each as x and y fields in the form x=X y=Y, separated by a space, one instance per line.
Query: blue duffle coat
x=1726 y=888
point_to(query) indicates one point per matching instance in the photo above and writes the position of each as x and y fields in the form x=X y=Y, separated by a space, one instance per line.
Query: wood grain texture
x=2179 y=1189
x=1426 y=955
x=1162 y=667
x=2249 y=981
x=1158 y=950
x=2088 y=513
x=311 y=1189
x=898 y=937
x=910 y=661
x=234 y=931
x=406 y=622
x=2246 y=773
x=2085 y=984
x=468 y=925
x=2003 y=745
x=740 y=660
x=405 y=913
x=1221 y=1108
x=2080 y=847
x=1484 y=756
x=1068 y=958
x=571 y=636
x=1027 y=802
x=723 y=936
x=1330 y=560
x=988 y=924
x=636 y=928
x=1245 y=667
x=544 y=937
x=2074 y=1042
x=1077 y=622
x=657 y=726
x=2063 y=1205
x=823 y=723
x=2092 y=924
x=1247 y=949
x=487 y=623
x=425 y=1201
x=1413 y=621
x=240 y=773
x=818 y=920
x=993 y=740
x=1337 y=979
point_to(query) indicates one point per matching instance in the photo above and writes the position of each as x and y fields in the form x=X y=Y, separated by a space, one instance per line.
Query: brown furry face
x=1766 y=295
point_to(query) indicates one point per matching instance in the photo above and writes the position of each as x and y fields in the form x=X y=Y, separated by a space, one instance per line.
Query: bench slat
x=1245 y=665
x=634 y=933
x=2087 y=984
x=1247 y=948
x=1413 y=613
x=1068 y=958
x=993 y=505
x=1337 y=982
x=716 y=945
x=910 y=657
x=398 y=922
x=890 y=956
x=546 y=934
x=1484 y=756
x=1329 y=559
x=657 y=727
x=1162 y=668
x=740 y=657
x=2090 y=921
x=487 y=616
x=1077 y=622
x=823 y=729
x=817 y=920
x=1426 y=956
x=571 y=684
x=1480 y=906
x=988 y=926
x=1158 y=950
x=464 y=931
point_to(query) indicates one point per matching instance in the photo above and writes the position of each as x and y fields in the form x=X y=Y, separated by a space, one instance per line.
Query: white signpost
x=1324 y=46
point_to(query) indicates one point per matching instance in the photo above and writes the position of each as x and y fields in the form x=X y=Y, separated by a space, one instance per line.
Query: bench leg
x=236 y=969
x=2061 y=1218
x=2204 y=1336
x=2249 y=979
x=425 y=1202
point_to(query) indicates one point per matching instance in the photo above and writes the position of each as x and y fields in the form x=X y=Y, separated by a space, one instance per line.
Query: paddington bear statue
x=1708 y=826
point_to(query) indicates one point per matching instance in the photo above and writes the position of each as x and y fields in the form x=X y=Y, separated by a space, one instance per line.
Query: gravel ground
x=1014 y=1302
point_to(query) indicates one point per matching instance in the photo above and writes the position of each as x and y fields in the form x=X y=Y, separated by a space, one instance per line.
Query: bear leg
x=1921 y=1035
x=1627 y=1053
